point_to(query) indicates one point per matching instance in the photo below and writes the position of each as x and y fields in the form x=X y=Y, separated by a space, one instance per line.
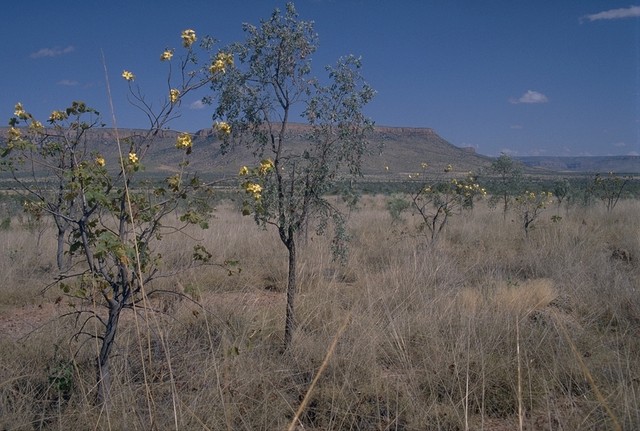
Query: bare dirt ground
x=18 y=323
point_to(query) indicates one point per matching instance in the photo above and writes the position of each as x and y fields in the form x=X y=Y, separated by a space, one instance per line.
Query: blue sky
x=542 y=77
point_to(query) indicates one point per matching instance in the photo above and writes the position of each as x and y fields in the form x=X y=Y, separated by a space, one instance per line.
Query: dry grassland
x=485 y=330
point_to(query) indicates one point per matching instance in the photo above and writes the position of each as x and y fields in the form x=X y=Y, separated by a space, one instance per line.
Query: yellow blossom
x=36 y=125
x=448 y=168
x=57 y=116
x=128 y=76
x=221 y=62
x=265 y=166
x=223 y=127
x=184 y=141
x=217 y=66
x=174 y=95
x=100 y=161
x=133 y=158
x=188 y=37
x=20 y=112
x=424 y=165
x=243 y=171
x=14 y=134
x=166 y=55
x=253 y=188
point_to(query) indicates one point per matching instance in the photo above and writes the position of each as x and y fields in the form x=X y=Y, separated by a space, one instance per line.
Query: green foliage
x=397 y=205
x=506 y=184
x=61 y=377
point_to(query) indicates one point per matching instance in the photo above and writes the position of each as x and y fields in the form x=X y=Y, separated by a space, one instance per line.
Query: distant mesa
x=395 y=153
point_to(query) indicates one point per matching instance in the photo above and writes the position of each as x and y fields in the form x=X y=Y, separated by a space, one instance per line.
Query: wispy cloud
x=530 y=97
x=628 y=12
x=516 y=127
x=197 y=105
x=619 y=144
x=68 y=83
x=52 y=52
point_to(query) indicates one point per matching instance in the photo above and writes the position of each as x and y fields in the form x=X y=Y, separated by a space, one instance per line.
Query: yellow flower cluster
x=20 y=112
x=14 y=134
x=265 y=166
x=128 y=76
x=468 y=188
x=448 y=168
x=133 y=158
x=221 y=62
x=254 y=189
x=188 y=37
x=540 y=200
x=174 y=95
x=166 y=55
x=57 y=116
x=100 y=161
x=424 y=165
x=184 y=141
x=222 y=127
x=244 y=171
x=36 y=125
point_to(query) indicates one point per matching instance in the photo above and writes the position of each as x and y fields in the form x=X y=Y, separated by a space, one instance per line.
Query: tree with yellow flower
x=258 y=93
x=108 y=219
x=435 y=200
x=529 y=205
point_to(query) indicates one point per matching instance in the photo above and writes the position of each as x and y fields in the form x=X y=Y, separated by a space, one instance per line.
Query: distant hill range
x=584 y=164
x=396 y=152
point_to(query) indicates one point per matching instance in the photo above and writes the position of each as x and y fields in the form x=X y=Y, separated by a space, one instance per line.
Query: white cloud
x=629 y=12
x=197 y=105
x=68 y=83
x=619 y=144
x=516 y=127
x=52 y=52
x=633 y=153
x=531 y=97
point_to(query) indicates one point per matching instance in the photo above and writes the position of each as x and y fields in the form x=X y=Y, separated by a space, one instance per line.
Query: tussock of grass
x=437 y=335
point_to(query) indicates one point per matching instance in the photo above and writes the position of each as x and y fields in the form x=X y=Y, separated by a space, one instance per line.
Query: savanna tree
x=529 y=206
x=108 y=219
x=561 y=190
x=608 y=188
x=435 y=201
x=257 y=97
x=507 y=181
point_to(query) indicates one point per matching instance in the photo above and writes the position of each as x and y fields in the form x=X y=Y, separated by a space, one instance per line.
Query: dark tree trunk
x=290 y=322
x=62 y=264
x=103 y=365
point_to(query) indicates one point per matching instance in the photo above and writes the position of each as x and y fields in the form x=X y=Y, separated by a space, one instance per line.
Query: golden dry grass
x=464 y=334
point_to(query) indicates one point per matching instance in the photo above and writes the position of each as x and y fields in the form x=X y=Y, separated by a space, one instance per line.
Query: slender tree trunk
x=290 y=322
x=62 y=265
x=103 y=365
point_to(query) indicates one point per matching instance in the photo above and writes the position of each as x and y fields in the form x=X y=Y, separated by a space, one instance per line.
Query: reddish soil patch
x=20 y=322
